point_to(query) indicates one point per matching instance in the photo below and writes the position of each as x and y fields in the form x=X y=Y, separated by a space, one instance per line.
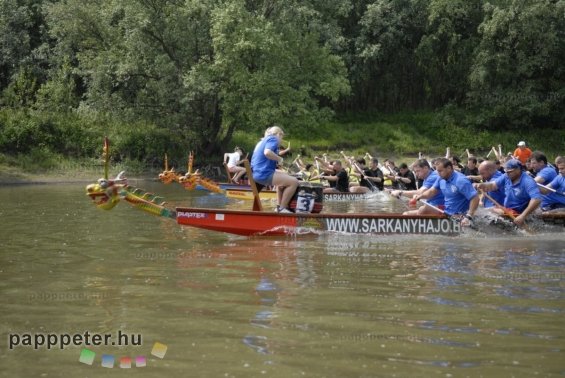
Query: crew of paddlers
x=514 y=185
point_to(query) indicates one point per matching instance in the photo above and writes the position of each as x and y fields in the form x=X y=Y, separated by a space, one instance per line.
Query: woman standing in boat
x=264 y=166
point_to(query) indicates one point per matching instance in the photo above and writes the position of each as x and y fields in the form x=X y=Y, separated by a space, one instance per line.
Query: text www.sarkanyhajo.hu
x=62 y=340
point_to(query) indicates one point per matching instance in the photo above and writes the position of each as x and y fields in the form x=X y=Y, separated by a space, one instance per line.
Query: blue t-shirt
x=518 y=195
x=558 y=184
x=429 y=182
x=548 y=174
x=263 y=167
x=457 y=191
x=497 y=195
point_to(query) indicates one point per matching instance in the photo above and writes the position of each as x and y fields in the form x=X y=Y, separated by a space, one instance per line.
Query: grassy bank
x=399 y=136
x=404 y=135
x=41 y=166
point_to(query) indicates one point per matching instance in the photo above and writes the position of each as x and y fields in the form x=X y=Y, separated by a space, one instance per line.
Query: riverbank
x=14 y=176
x=400 y=136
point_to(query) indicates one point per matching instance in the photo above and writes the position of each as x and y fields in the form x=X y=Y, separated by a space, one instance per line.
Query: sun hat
x=521 y=143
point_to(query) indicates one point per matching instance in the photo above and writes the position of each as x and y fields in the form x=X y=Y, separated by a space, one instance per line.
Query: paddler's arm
x=539 y=180
x=544 y=189
x=486 y=186
x=272 y=156
x=427 y=194
x=323 y=163
x=532 y=206
x=473 y=205
x=406 y=193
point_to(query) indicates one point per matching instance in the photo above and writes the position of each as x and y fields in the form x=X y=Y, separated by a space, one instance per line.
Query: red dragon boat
x=308 y=218
x=247 y=223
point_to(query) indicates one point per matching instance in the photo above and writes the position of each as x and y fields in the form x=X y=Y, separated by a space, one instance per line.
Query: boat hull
x=227 y=186
x=249 y=223
x=554 y=217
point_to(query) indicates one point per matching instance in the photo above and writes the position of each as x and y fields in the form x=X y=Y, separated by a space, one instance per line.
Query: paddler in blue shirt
x=264 y=166
x=489 y=173
x=555 y=190
x=423 y=172
x=522 y=195
x=460 y=196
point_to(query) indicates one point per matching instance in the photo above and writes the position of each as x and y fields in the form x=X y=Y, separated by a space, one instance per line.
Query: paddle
x=435 y=208
x=490 y=152
x=471 y=222
x=399 y=199
x=256 y=200
x=317 y=175
x=106 y=155
x=296 y=162
x=550 y=189
x=505 y=210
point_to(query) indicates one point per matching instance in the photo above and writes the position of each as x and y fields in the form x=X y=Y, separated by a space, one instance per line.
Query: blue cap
x=512 y=164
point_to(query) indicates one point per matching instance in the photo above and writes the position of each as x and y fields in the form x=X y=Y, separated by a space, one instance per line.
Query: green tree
x=385 y=74
x=21 y=55
x=59 y=93
x=273 y=69
x=15 y=21
x=445 y=52
x=199 y=69
x=517 y=78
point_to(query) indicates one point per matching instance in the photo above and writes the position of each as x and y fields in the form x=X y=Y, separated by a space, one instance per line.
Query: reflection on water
x=328 y=305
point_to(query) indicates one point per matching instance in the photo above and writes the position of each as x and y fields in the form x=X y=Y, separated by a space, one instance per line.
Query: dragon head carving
x=106 y=193
x=169 y=176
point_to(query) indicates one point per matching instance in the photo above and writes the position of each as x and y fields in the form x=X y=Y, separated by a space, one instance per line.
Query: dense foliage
x=173 y=75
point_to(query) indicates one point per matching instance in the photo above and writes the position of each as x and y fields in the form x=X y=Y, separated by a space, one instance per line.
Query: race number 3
x=304 y=203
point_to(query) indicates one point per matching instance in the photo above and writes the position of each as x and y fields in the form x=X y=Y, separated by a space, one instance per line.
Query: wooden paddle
x=295 y=161
x=106 y=155
x=256 y=200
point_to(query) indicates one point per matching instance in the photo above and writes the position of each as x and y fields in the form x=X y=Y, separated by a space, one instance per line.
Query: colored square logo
x=140 y=361
x=159 y=350
x=107 y=361
x=125 y=362
x=86 y=356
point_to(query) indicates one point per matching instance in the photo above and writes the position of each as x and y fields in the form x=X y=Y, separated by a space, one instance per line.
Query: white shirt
x=233 y=159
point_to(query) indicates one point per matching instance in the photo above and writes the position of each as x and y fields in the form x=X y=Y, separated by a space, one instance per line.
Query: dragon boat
x=107 y=193
x=247 y=194
x=194 y=180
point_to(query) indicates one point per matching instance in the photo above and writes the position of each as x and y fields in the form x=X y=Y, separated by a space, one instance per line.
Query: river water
x=324 y=305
